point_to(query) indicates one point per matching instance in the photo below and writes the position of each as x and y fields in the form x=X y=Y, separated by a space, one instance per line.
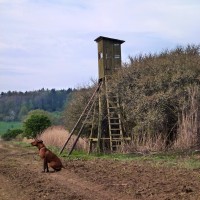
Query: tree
x=35 y=124
x=23 y=111
x=21 y=103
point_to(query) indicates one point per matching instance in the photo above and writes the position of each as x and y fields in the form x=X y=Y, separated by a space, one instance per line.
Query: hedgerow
x=157 y=93
x=154 y=90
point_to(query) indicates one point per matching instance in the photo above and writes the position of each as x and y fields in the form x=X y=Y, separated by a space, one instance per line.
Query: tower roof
x=107 y=38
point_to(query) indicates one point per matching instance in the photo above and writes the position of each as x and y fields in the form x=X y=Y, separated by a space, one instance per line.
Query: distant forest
x=15 y=105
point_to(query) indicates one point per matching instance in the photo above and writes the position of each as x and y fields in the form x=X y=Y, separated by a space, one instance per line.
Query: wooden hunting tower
x=107 y=133
x=110 y=135
x=109 y=55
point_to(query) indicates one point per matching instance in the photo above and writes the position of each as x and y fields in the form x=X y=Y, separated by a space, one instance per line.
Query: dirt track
x=21 y=178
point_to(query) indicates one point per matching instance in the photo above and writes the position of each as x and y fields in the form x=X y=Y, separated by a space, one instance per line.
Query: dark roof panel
x=107 y=38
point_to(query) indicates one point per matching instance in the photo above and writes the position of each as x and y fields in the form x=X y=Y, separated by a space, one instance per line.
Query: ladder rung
x=115 y=129
x=115 y=140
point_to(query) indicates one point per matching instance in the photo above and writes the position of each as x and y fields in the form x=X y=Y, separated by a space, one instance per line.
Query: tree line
x=15 y=105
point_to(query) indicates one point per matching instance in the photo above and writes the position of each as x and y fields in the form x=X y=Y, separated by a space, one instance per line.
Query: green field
x=4 y=126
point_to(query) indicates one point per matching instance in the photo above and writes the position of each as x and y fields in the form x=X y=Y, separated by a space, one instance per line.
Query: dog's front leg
x=45 y=165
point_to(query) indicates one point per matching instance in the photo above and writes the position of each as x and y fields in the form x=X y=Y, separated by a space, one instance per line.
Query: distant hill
x=14 y=105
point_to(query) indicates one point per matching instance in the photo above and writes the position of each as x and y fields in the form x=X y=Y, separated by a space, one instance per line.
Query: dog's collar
x=42 y=148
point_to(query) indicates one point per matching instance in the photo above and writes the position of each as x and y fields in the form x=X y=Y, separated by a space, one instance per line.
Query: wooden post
x=198 y=127
x=82 y=127
x=99 y=124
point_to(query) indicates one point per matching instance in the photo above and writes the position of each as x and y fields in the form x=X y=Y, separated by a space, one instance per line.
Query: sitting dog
x=50 y=159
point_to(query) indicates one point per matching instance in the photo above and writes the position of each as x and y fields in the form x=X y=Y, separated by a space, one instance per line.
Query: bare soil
x=98 y=179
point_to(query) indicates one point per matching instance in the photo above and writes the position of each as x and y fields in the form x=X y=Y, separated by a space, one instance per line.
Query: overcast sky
x=50 y=43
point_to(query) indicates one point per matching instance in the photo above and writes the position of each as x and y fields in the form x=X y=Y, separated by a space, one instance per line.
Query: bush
x=35 y=124
x=11 y=134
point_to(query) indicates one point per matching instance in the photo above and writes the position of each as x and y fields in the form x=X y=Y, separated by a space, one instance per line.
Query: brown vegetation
x=57 y=135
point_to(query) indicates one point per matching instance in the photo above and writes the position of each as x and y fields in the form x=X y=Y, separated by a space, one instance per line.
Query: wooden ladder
x=114 y=118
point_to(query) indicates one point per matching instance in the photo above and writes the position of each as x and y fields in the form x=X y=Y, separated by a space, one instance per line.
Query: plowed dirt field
x=97 y=179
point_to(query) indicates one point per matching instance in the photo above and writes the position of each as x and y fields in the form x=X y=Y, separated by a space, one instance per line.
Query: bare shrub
x=75 y=107
x=57 y=135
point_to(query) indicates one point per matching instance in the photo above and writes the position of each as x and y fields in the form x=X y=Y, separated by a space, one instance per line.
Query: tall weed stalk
x=188 y=121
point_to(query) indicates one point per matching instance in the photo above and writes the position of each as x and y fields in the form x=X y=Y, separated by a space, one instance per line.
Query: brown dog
x=50 y=159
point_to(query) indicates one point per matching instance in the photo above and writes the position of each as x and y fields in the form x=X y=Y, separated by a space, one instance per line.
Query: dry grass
x=187 y=134
x=144 y=145
x=26 y=140
x=56 y=136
